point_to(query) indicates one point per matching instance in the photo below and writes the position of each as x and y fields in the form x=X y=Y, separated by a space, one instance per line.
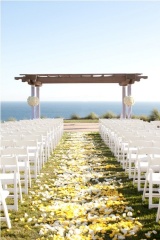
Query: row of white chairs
x=25 y=147
x=136 y=145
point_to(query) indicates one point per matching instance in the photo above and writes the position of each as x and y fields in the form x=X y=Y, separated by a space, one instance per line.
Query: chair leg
x=144 y=190
x=26 y=180
x=129 y=168
x=16 y=193
x=29 y=177
x=6 y=213
x=134 y=176
x=150 y=194
x=158 y=212
x=20 y=190
x=139 y=180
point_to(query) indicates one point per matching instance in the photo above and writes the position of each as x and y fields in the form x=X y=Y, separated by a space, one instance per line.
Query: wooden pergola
x=125 y=80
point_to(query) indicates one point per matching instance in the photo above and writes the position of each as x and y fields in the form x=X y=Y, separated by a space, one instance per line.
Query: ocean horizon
x=65 y=109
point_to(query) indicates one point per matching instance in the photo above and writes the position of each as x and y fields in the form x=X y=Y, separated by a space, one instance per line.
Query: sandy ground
x=81 y=127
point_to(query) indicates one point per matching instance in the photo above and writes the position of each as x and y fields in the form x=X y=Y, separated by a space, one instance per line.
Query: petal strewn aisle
x=85 y=202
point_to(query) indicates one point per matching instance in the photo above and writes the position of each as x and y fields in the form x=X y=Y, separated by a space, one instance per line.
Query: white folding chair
x=3 y=206
x=38 y=139
x=5 y=143
x=23 y=163
x=141 y=165
x=124 y=144
x=152 y=179
x=131 y=156
x=45 y=142
x=33 y=153
x=156 y=143
x=10 y=175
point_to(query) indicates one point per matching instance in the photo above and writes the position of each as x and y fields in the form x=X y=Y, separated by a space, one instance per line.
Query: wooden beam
x=80 y=79
x=122 y=78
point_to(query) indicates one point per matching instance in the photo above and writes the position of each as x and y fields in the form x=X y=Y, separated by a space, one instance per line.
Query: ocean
x=65 y=109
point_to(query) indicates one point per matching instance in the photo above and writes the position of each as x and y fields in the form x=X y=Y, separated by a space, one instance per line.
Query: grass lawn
x=82 y=193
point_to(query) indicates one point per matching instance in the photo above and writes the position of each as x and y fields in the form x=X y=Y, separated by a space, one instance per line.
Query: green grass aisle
x=82 y=193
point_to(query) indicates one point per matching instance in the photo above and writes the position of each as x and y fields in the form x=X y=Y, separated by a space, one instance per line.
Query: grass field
x=82 y=193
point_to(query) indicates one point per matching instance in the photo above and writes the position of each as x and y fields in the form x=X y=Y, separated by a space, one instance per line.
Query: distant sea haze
x=65 y=109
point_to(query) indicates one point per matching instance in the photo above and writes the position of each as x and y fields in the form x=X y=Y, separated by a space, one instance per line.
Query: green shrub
x=155 y=115
x=141 y=117
x=42 y=117
x=109 y=115
x=144 y=118
x=11 y=119
x=135 y=117
x=75 y=116
x=92 y=115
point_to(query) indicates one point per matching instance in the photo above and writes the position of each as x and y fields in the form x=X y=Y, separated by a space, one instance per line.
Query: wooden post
x=38 y=106
x=33 y=95
x=129 y=107
x=123 y=105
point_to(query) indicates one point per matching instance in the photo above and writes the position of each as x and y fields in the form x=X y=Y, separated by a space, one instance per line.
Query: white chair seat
x=7 y=177
x=5 y=194
x=142 y=165
x=155 y=178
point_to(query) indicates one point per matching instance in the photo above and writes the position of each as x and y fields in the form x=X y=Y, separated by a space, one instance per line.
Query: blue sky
x=80 y=37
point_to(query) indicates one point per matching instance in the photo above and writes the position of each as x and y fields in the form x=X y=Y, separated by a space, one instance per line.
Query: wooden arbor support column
x=38 y=106
x=33 y=95
x=35 y=92
x=123 y=105
x=129 y=107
